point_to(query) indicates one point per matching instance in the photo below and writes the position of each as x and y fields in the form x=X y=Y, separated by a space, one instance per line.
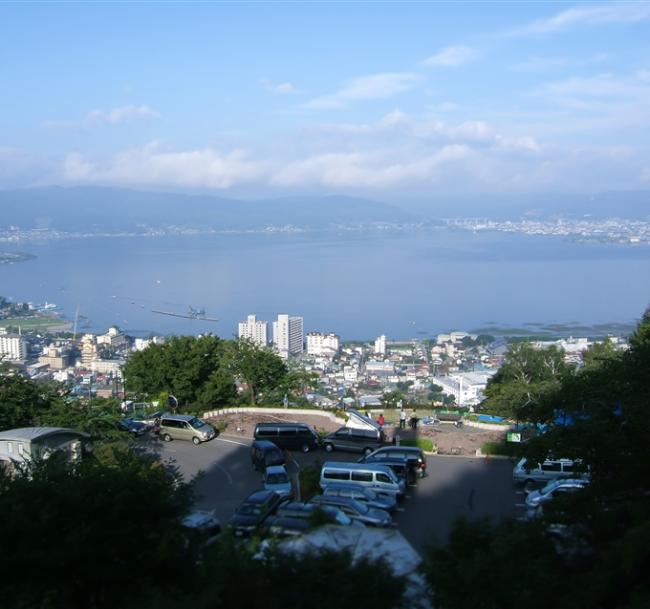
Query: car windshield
x=197 y=423
x=250 y=509
x=275 y=455
x=279 y=478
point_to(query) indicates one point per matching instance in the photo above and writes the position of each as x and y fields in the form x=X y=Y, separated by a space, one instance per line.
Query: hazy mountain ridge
x=112 y=209
x=103 y=209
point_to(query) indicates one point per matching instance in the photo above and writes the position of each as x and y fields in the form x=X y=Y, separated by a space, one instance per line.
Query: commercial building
x=13 y=347
x=380 y=345
x=323 y=344
x=55 y=357
x=113 y=338
x=288 y=335
x=254 y=329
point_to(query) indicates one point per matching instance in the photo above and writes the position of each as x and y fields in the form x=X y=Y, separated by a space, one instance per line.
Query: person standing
x=402 y=418
x=414 y=421
x=381 y=419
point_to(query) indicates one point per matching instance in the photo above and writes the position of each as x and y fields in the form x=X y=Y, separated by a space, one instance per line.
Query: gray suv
x=354 y=440
x=185 y=427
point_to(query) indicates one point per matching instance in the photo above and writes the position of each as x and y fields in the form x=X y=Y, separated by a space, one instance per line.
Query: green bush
x=426 y=444
x=500 y=447
x=309 y=482
x=221 y=425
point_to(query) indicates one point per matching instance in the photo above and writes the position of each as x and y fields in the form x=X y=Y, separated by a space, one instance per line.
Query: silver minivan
x=185 y=427
x=380 y=478
x=535 y=474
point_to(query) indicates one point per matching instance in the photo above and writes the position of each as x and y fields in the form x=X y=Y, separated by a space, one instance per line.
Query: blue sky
x=382 y=99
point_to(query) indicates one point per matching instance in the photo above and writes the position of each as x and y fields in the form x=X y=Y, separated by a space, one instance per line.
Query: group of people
x=413 y=422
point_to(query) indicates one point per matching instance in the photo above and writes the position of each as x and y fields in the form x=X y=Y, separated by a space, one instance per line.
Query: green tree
x=392 y=399
x=259 y=368
x=89 y=535
x=23 y=401
x=525 y=376
x=599 y=415
x=194 y=370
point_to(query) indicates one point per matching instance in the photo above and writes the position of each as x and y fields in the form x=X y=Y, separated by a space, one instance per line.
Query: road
x=454 y=487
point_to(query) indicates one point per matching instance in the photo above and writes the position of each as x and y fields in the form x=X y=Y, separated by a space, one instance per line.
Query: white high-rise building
x=288 y=335
x=13 y=347
x=380 y=345
x=323 y=344
x=254 y=329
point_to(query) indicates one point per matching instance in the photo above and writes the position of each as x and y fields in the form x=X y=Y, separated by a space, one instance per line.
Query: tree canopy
x=527 y=373
x=589 y=549
x=194 y=370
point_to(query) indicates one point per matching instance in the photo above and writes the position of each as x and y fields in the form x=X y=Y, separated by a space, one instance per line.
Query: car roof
x=265 y=444
x=377 y=467
x=283 y=424
x=259 y=496
x=276 y=469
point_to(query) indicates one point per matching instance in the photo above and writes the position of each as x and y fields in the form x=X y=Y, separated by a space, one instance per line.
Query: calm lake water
x=356 y=284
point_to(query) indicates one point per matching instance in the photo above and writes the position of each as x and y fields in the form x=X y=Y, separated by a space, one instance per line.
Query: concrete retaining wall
x=490 y=426
x=285 y=412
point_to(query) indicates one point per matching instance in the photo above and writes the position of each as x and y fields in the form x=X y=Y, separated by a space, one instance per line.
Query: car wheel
x=196 y=441
x=529 y=485
x=367 y=450
x=329 y=447
x=305 y=448
x=167 y=438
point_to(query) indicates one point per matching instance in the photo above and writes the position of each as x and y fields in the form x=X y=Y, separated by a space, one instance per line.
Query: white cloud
x=595 y=14
x=106 y=116
x=121 y=114
x=451 y=57
x=373 y=86
x=152 y=165
x=285 y=88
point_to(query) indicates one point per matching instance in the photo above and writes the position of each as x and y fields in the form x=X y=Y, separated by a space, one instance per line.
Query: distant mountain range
x=93 y=209
x=99 y=209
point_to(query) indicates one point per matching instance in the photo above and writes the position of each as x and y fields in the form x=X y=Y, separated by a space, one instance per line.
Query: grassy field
x=44 y=322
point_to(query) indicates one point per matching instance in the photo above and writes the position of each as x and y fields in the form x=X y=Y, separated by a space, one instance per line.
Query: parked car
x=185 y=427
x=135 y=428
x=276 y=479
x=316 y=514
x=354 y=440
x=289 y=436
x=401 y=466
x=380 y=478
x=535 y=474
x=554 y=489
x=362 y=494
x=415 y=456
x=253 y=511
x=264 y=454
x=356 y=510
x=149 y=419
x=203 y=521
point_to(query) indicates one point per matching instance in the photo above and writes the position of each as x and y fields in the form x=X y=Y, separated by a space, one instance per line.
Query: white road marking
x=232 y=441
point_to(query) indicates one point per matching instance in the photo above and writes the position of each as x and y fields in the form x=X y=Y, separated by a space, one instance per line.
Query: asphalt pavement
x=454 y=487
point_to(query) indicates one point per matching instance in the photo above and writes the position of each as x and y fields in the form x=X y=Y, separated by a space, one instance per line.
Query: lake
x=357 y=284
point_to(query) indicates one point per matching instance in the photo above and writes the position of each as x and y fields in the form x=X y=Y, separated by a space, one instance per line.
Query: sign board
x=513 y=436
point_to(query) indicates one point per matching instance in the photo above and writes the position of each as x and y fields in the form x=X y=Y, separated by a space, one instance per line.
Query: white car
x=553 y=489
x=276 y=479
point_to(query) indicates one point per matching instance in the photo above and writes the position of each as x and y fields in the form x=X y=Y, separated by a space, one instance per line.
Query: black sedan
x=135 y=428
x=253 y=512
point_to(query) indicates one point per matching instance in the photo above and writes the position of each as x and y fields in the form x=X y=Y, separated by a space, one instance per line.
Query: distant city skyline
x=390 y=100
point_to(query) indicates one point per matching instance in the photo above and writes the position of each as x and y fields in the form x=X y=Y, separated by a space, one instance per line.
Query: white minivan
x=535 y=474
x=380 y=478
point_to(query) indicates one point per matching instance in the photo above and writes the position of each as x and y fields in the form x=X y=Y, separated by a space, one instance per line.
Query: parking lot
x=455 y=486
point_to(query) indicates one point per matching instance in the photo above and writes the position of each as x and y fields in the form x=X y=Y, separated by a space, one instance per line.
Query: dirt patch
x=452 y=440
x=243 y=424
x=449 y=439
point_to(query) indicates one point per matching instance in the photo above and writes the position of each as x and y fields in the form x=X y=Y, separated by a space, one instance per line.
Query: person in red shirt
x=381 y=419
